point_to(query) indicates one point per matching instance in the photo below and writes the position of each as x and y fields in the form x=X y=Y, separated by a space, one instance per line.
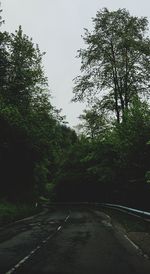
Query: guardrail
x=132 y=211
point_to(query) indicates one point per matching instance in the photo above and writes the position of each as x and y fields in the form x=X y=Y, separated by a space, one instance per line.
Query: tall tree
x=25 y=75
x=116 y=62
x=26 y=118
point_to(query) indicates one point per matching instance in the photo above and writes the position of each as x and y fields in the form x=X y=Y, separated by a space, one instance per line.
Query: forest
x=107 y=157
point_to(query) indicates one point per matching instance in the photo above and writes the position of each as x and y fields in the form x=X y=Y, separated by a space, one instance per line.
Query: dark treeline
x=109 y=161
x=113 y=166
x=33 y=134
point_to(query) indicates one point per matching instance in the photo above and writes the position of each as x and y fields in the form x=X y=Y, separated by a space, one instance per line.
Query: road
x=69 y=241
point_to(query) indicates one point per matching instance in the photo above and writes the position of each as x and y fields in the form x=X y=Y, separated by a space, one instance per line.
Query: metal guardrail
x=132 y=211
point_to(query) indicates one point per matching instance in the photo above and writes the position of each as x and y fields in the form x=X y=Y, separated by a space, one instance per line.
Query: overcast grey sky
x=57 y=26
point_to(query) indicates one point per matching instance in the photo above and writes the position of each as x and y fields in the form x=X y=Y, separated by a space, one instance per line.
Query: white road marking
x=59 y=228
x=132 y=243
x=34 y=250
x=67 y=218
x=137 y=247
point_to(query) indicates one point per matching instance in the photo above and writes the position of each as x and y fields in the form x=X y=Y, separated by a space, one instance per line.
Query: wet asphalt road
x=75 y=241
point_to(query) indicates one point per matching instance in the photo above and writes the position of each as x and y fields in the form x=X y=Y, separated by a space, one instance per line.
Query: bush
x=12 y=212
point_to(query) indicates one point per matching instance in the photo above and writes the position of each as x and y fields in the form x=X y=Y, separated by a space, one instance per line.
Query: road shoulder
x=136 y=230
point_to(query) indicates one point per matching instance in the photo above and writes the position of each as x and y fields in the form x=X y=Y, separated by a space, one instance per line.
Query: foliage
x=25 y=78
x=115 y=63
x=10 y=212
x=33 y=136
x=112 y=168
x=41 y=157
x=94 y=124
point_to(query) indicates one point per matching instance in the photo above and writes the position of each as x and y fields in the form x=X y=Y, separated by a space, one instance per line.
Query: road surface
x=69 y=241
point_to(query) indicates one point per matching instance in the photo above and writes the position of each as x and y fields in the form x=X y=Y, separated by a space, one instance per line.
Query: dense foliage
x=33 y=135
x=110 y=159
x=112 y=167
x=116 y=61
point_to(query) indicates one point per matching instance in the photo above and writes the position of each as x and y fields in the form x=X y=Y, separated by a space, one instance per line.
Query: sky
x=57 y=26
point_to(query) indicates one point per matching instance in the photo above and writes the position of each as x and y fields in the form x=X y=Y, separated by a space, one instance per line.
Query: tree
x=25 y=81
x=94 y=123
x=4 y=38
x=26 y=118
x=116 y=62
x=132 y=137
x=33 y=135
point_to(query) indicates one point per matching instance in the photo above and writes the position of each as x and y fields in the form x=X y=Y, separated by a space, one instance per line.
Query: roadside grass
x=10 y=212
x=129 y=222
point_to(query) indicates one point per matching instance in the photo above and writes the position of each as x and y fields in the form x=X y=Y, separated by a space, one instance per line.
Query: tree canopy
x=115 y=64
x=109 y=161
x=33 y=135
